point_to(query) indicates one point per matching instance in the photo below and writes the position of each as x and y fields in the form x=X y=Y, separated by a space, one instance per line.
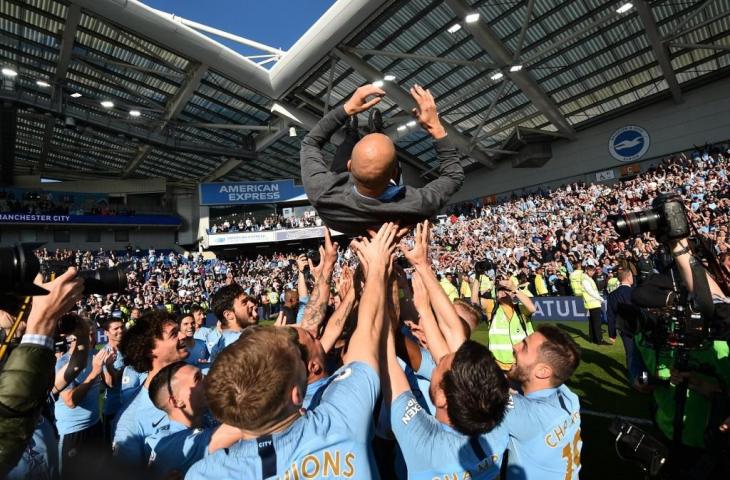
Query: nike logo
x=155 y=424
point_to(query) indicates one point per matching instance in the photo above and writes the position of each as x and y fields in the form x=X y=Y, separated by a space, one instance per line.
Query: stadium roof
x=188 y=109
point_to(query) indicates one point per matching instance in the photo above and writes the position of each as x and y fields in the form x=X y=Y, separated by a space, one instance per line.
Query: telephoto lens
x=18 y=268
x=633 y=224
x=104 y=280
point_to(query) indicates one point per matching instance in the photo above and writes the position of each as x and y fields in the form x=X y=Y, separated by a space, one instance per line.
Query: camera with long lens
x=100 y=281
x=666 y=219
x=19 y=266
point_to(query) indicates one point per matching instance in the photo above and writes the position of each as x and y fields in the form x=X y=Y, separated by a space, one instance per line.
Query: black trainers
x=375 y=121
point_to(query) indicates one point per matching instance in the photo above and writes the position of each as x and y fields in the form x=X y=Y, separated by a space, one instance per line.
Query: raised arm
x=376 y=255
x=336 y=322
x=451 y=174
x=316 y=174
x=317 y=306
x=448 y=320
x=302 y=264
x=435 y=341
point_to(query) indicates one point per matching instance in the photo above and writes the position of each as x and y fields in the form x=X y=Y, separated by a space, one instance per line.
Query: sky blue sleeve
x=128 y=445
x=526 y=419
x=415 y=430
x=302 y=306
x=351 y=396
x=427 y=365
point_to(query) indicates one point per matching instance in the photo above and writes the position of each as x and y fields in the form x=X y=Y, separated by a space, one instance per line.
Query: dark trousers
x=82 y=453
x=594 y=325
x=630 y=349
x=108 y=422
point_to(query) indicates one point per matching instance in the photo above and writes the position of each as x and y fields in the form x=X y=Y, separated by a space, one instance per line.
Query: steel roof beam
x=174 y=107
x=699 y=46
x=406 y=103
x=183 y=40
x=73 y=17
x=685 y=21
x=113 y=125
x=661 y=52
x=422 y=58
x=490 y=43
x=221 y=171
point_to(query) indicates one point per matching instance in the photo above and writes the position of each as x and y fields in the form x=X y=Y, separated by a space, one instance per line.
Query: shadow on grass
x=574 y=331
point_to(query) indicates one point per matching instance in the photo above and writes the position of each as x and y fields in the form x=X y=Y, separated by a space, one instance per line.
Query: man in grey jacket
x=367 y=195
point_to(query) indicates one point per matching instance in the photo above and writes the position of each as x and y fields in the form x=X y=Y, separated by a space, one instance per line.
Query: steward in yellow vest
x=509 y=323
x=576 y=280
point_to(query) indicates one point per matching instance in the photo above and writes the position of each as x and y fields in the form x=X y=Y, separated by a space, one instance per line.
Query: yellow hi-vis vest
x=503 y=333
x=465 y=289
x=588 y=301
x=450 y=289
x=575 y=282
x=485 y=284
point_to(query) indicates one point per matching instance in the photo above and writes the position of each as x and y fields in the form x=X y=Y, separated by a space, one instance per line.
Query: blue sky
x=277 y=23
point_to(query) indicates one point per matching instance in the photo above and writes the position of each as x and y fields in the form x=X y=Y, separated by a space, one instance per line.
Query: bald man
x=369 y=193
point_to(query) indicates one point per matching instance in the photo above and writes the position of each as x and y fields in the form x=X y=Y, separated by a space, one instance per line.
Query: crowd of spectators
x=547 y=235
x=529 y=243
x=55 y=203
x=248 y=222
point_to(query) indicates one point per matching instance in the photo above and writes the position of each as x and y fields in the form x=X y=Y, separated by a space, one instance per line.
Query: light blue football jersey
x=331 y=441
x=544 y=429
x=432 y=449
x=86 y=413
x=227 y=338
x=137 y=421
x=132 y=382
x=177 y=448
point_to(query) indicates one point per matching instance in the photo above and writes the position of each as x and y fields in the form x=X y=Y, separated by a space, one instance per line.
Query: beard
x=518 y=374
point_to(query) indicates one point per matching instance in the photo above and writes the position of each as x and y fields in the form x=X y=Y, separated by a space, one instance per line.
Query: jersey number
x=571 y=453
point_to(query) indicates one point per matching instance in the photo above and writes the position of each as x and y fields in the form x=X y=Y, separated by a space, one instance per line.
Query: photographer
x=684 y=346
x=27 y=375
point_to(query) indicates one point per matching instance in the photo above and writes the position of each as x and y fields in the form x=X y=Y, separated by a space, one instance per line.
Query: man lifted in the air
x=368 y=195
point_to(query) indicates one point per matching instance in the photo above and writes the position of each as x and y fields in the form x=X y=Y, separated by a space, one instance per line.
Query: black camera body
x=666 y=219
x=635 y=445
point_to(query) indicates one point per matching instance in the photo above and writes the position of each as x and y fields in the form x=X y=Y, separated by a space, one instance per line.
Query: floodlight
x=76 y=95
x=378 y=83
x=134 y=113
x=497 y=76
x=402 y=128
x=411 y=124
x=471 y=18
x=515 y=68
x=625 y=7
x=292 y=132
x=389 y=78
x=107 y=104
x=9 y=72
x=454 y=28
x=42 y=83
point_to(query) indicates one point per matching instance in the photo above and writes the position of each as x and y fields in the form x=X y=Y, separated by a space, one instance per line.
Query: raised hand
x=359 y=101
x=418 y=255
x=63 y=294
x=344 y=283
x=425 y=112
x=377 y=254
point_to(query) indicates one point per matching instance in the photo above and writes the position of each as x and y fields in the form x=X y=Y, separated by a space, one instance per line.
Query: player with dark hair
x=152 y=343
x=236 y=311
x=544 y=424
